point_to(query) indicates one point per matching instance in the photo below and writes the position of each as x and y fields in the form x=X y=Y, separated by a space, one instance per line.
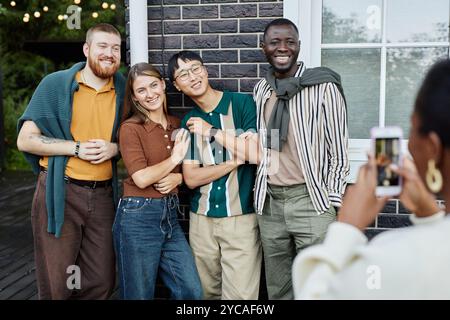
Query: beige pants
x=227 y=253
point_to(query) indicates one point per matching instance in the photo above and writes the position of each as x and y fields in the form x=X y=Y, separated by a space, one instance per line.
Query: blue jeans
x=148 y=239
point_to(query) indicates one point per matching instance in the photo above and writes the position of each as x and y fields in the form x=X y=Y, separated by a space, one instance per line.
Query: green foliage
x=13 y=109
x=22 y=71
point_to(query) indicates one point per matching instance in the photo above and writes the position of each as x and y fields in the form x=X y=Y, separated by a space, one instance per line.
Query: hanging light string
x=38 y=12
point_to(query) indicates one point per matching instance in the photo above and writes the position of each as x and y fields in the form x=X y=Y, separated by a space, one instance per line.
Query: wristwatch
x=212 y=133
x=77 y=149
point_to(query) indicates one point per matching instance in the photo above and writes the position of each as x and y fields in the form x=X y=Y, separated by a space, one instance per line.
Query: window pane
x=417 y=20
x=405 y=70
x=360 y=73
x=349 y=21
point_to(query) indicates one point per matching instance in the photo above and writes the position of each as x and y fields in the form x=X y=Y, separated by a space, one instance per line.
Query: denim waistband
x=172 y=201
x=172 y=196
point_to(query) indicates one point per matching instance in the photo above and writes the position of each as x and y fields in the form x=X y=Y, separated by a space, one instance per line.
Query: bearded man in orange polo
x=68 y=134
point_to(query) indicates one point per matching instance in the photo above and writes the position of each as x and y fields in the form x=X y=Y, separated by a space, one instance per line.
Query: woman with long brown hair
x=147 y=236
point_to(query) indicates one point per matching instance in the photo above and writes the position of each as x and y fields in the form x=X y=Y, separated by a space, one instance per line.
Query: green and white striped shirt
x=232 y=194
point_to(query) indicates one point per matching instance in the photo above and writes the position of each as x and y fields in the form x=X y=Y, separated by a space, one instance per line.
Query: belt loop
x=176 y=202
x=94 y=185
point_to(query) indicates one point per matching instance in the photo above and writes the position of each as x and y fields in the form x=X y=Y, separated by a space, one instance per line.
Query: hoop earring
x=433 y=177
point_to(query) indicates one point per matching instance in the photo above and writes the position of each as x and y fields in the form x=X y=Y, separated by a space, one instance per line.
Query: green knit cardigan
x=50 y=108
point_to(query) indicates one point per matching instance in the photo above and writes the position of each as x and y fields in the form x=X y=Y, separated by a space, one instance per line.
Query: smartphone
x=386 y=148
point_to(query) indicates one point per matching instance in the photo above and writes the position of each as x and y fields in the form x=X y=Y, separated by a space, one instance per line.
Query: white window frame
x=307 y=15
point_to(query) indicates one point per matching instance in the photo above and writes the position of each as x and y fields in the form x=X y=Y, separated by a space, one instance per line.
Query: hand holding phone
x=386 y=145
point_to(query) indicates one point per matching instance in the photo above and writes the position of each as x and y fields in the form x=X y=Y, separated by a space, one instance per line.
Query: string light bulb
x=94 y=15
x=76 y=1
x=113 y=6
x=25 y=19
x=105 y=5
x=37 y=14
x=65 y=17
x=13 y=4
x=60 y=17
x=45 y=9
x=27 y=15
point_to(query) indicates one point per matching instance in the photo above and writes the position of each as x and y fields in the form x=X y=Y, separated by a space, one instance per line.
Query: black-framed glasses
x=184 y=75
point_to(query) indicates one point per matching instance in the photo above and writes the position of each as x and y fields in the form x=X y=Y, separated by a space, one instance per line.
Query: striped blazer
x=319 y=119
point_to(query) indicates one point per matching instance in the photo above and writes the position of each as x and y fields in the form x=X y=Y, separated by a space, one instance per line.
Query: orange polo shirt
x=93 y=114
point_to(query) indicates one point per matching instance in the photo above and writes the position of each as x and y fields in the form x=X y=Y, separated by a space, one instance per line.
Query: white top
x=407 y=263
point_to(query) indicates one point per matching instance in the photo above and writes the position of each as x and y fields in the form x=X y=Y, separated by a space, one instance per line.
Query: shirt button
x=220 y=151
x=210 y=113
x=217 y=205
x=166 y=136
x=218 y=188
x=168 y=147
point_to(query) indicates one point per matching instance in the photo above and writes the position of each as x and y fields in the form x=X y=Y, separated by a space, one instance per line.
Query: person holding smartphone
x=147 y=236
x=408 y=263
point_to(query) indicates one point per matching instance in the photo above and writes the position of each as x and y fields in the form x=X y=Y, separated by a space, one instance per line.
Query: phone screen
x=387 y=152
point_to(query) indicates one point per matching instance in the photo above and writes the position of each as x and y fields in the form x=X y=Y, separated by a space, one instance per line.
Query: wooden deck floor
x=17 y=271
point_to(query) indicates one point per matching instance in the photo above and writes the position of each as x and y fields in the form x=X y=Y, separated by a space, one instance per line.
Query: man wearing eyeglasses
x=223 y=227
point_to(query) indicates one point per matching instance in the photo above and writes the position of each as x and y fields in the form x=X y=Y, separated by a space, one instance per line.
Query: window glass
x=417 y=20
x=405 y=70
x=360 y=75
x=349 y=21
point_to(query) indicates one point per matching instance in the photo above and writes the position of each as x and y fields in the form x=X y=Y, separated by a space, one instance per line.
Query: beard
x=103 y=72
x=283 y=69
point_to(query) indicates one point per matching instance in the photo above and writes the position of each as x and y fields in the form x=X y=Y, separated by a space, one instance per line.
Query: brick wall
x=393 y=215
x=225 y=33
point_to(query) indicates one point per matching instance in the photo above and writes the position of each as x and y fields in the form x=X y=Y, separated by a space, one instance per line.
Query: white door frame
x=138 y=31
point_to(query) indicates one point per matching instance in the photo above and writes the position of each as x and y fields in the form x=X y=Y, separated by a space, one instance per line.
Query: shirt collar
x=222 y=107
x=300 y=70
x=149 y=125
x=107 y=87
